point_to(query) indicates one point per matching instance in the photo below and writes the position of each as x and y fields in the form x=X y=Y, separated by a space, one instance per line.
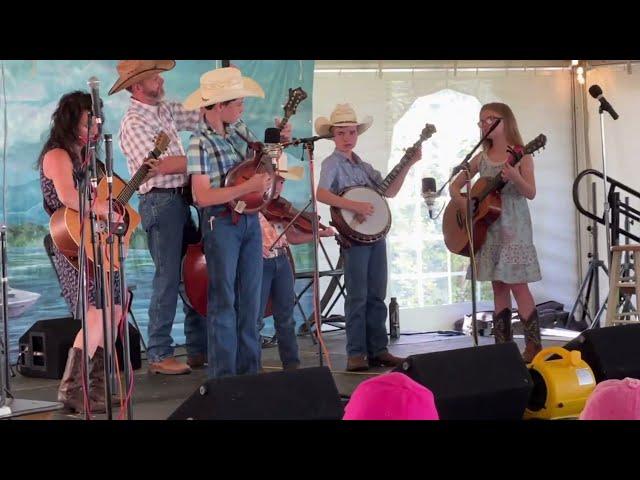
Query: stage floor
x=157 y=396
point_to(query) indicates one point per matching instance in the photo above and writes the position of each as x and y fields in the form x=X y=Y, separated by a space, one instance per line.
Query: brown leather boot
x=70 y=390
x=97 y=390
x=199 y=360
x=502 y=326
x=532 y=340
x=169 y=366
x=357 y=363
x=385 y=359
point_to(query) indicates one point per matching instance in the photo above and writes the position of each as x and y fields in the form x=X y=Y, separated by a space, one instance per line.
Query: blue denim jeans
x=167 y=220
x=365 y=276
x=234 y=267
x=277 y=282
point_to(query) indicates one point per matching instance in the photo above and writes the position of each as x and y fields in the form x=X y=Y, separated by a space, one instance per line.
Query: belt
x=277 y=252
x=179 y=190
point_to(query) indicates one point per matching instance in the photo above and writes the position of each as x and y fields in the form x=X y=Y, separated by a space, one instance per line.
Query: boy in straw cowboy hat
x=277 y=273
x=163 y=207
x=233 y=249
x=365 y=266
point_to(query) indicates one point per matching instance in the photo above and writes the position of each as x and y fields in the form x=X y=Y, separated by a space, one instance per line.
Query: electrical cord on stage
x=444 y=333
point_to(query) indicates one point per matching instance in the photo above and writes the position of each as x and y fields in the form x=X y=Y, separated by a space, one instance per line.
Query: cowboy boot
x=502 y=326
x=97 y=383
x=70 y=390
x=532 y=340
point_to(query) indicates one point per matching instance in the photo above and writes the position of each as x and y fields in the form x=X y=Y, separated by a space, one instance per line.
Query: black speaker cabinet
x=303 y=394
x=43 y=349
x=611 y=352
x=490 y=382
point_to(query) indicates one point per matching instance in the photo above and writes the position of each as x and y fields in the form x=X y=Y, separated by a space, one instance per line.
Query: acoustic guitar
x=486 y=205
x=64 y=224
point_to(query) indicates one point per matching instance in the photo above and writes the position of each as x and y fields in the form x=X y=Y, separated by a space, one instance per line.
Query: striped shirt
x=209 y=153
x=139 y=128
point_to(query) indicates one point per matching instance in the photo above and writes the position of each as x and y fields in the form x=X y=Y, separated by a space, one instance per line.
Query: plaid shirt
x=138 y=129
x=209 y=153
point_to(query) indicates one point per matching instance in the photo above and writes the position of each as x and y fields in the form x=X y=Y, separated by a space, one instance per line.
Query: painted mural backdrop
x=29 y=94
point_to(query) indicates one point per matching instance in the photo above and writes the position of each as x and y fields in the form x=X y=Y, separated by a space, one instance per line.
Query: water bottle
x=394 y=319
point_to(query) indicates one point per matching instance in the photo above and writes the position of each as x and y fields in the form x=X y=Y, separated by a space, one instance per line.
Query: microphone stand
x=99 y=277
x=118 y=229
x=606 y=206
x=308 y=145
x=464 y=165
x=85 y=199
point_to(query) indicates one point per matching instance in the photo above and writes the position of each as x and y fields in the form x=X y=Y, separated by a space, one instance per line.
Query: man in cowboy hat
x=164 y=210
x=277 y=274
x=365 y=266
x=232 y=245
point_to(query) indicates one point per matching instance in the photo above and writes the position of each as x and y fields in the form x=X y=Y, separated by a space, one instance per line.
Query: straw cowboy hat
x=292 y=173
x=342 y=116
x=133 y=71
x=220 y=85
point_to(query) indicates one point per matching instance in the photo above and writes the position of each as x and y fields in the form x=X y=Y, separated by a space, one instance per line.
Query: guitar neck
x=132 y=186
x=397 y=169
x=497 y=183
x=284 y=122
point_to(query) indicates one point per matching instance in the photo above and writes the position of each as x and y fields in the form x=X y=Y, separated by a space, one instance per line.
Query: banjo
x=375 y=226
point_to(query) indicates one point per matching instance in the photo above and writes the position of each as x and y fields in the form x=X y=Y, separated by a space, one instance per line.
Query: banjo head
x=376 y=224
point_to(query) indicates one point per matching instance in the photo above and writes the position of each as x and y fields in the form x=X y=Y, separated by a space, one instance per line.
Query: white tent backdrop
x=621 y=87
x=422 y=275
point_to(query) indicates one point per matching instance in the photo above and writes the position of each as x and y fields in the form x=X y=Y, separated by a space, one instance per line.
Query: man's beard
x=156 y=94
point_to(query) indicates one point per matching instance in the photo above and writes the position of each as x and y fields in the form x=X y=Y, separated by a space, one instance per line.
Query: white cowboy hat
x=221 y=85
x=293 y=173
x=342 y=116
x=133 y=71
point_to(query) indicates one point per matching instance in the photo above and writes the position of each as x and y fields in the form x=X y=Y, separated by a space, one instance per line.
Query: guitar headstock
x=427 y=131
x=296 y=96
x=534 y=145
x=160 y=144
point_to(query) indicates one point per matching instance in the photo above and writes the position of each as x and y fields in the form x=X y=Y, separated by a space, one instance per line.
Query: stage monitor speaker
x=43 y=349
x=302 y=394
x=611 y=352
x=490 y=382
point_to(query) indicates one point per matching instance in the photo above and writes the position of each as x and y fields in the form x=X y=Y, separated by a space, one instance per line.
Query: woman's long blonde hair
x=510 y=125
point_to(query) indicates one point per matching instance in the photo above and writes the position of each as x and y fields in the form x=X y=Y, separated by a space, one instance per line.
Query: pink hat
x=392 y=396
x=614 y=400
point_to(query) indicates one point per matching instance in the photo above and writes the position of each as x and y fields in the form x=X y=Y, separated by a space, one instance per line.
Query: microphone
x=96 y=108
x=429 y=193
x=298 y=141
x=596 y=92
x=272 y=145
x=108 y=157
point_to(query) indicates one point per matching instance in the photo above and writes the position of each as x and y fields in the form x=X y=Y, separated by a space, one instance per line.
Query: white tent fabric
x=542 y=101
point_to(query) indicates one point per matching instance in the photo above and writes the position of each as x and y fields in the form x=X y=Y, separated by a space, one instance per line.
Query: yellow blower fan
x=560 y=386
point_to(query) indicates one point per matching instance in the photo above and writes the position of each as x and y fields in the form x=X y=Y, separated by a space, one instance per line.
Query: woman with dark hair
x=508 y=257
x=60 y=164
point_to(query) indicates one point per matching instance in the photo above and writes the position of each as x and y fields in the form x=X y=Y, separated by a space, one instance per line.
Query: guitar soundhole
x=459 y=219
